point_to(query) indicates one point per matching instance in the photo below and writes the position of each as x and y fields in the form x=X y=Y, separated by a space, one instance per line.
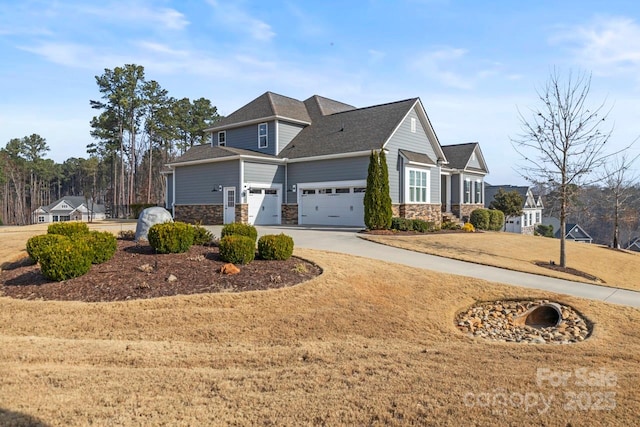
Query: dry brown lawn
x=365 y=343
x=619 y=269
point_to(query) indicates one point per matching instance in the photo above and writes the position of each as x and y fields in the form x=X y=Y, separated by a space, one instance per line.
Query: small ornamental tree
x=377 y=200
x=509 y=202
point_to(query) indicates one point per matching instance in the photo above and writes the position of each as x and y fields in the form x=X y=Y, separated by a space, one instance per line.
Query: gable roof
x=574 y=232
x=351 y=131
x=74 y=203
x=491 y=190
x=320 y=106
x=414 y=157
x=459 y=155
x=269 y=105
x=207 y=152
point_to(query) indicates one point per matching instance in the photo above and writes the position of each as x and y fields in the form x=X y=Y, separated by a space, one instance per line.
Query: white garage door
x=264 y=206
x=332 y=206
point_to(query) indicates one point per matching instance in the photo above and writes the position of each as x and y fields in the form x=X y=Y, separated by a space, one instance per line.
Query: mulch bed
x=136 y=272
x=569 y=270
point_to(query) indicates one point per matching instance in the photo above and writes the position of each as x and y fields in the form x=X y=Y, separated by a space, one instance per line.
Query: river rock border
x=494 y=321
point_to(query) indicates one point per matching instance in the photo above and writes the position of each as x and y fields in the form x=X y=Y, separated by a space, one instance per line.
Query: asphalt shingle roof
x=74 y=202
x=412 y=156
x=268 y=104
x=318 y=106
x=491 y=190
x=208 y=151
x=349 y=131
x=458 y=155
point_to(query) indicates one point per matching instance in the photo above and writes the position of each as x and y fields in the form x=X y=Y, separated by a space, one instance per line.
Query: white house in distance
x=531 y=209
x=69 y=208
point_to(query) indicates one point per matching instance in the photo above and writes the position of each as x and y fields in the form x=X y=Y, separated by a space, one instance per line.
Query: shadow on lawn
x=18 y=419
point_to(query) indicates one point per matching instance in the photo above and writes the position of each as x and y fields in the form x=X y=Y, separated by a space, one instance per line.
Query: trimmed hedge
x=66 y=259
x=171 y=237
x=68 y=228
x=237 y=249
x=201 y=236
x=479 y=218
x=275 y=247
x=239 y=229
x=103 y=246
x=496 y=220
x=36 y=245
x=406 y=224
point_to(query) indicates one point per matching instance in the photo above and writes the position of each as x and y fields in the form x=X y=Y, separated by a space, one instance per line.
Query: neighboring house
x=634 y=244
x=531 y=208
x=69 y=208
x=573 y=231
x=278 y=160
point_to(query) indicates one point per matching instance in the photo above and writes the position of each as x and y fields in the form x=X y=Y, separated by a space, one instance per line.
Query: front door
x=229 y=205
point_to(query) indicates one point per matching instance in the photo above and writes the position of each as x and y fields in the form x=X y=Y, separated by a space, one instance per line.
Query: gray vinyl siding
x=352 y=168
x=169 y=202
x=247 y=138
x=263 y=173
x=416 y=142
x=286 y=132
x=474 y=162
x=194 y=184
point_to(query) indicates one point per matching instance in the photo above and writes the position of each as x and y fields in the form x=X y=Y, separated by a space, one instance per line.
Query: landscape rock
x=494 y=321
x=171 y=278
x=147 y=268
x=229 y=268
x=150 y=217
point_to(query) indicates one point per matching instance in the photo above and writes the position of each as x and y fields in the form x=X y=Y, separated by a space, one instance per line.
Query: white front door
x=229 y=205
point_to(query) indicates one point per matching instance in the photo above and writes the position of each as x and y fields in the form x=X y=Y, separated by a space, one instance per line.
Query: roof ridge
x=376 y=106
x=462 y=143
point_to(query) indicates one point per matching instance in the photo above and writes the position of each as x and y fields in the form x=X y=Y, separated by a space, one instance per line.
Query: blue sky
x=473 y=64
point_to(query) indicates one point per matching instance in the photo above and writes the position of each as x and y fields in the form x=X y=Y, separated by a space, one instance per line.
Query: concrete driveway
x=346 y=240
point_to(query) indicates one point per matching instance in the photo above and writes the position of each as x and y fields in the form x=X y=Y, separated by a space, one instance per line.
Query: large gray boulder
x=148 y=218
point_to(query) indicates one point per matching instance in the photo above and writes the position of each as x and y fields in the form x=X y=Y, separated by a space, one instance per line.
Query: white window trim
x=223 y=143
x=413 y=125
x=466 y=201
x=478 y=193
x=407 y=192
x=266 y=135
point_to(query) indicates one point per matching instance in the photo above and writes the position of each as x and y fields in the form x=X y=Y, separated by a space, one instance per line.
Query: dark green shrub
x=201 y=236
x=237 y=249
x=239 y=229
x=377 y=200
x=480 y=219
x=545 y=230
x=68 y=228
x=401 y=224
x=275 y=247
x=423 y=226
x=496 y=220
x=66 y=259
x=37 y=244
x=171 y=237
x=450 y=225
x=102 y=245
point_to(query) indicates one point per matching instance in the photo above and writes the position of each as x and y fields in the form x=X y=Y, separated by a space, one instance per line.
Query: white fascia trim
x=227 y=158
x=422 y=165
x=350 y=183
x=330 y=156
x=257 y=121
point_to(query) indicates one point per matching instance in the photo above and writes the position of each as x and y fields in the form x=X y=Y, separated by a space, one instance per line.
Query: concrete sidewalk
x=346 y=240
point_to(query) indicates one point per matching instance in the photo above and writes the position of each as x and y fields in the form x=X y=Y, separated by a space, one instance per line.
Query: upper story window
x=413 y=125
x=418 y=186
x=222 y=138
x=263 y=141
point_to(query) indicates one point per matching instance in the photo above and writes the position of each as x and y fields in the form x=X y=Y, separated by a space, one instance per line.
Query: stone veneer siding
x=528 y=229
x=242 y=213
x=426 y=212
x=204 y=214
x=289 y=214
x=464 y=211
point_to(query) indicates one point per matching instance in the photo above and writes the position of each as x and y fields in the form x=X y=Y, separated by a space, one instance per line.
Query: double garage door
x=264 y=206
x=332 y=206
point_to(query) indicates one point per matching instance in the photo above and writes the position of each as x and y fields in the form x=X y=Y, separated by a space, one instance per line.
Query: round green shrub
x=239 y=229
x=480 y=219
x=422 y=226
x=401 y=224
x=65 y=259
x=171 y=237
x=68 y=228
x=103 y=246
x=201 y=236
x=37 y=244
x=275 y=247
x=496 y=219
x=237 y=249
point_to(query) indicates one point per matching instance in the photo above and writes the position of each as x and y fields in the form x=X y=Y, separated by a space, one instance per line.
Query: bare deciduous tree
x=562 y=142
x=618 y=183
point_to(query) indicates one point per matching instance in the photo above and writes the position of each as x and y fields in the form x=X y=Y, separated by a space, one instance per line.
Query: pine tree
x=385 y=197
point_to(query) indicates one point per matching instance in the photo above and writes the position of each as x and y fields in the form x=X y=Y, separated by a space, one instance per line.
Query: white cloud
x=608 y=46
x=439 y=64
x=238 y=20
x=137 y=13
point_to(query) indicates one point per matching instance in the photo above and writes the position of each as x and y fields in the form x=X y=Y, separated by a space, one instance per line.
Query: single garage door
x=264 y=206
x=332 y=206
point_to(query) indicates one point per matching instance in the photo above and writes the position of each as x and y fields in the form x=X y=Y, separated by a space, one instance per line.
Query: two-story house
x=532 y=208
x=278 y=160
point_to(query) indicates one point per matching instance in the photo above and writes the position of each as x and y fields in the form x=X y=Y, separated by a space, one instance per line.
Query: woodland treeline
x=137 y=129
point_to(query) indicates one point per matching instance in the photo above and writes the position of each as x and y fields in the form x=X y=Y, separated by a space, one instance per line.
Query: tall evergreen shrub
x=377 y=200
